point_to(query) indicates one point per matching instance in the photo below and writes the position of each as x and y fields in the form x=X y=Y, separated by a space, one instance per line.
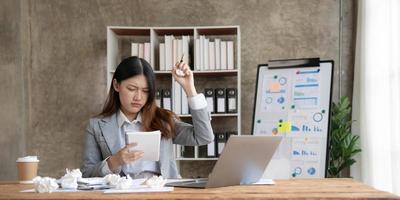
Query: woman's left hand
x=187 y=80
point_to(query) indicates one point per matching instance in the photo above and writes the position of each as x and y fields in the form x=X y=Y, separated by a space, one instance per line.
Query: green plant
x=343 y=145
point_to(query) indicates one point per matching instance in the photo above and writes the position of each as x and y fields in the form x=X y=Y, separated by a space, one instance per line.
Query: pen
x=179 y=72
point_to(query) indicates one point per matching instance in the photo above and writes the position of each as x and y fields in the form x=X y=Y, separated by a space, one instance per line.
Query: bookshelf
x=216 y=75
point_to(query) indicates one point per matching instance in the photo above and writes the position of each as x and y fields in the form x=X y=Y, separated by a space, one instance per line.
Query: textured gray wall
x=53 y=60
x=12 y=124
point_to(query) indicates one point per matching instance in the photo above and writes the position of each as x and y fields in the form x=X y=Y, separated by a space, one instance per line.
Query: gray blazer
x=102 y=142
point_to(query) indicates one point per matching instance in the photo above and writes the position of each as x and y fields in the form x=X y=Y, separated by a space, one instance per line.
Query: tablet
x=148 y=142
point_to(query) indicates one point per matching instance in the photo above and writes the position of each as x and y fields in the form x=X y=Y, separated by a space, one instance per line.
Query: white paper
x=140 y=189
x=148 y=142
x=264 y=181
x=93 y=180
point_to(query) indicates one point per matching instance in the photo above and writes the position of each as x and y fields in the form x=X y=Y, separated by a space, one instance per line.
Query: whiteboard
x=294 y=102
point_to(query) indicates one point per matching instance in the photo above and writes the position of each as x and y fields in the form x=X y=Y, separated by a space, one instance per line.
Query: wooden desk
x=284 y=189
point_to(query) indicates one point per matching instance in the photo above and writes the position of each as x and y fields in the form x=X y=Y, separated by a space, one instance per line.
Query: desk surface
x=283 y=189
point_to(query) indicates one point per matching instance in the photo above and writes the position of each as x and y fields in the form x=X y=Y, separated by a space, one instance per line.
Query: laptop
x=243 y=161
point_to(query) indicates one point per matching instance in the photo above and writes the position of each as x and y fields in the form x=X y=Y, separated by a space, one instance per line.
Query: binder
x=231 y=96
x=220 y=100
x=166 y=99
x=220 y=141
x=158 y=98
x=209 y=94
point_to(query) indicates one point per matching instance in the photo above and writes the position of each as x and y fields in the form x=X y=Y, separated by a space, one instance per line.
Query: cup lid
x=28 y=159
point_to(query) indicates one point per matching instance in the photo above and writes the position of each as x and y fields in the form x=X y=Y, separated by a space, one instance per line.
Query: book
x=185 y=105
x=217 y=54
x=185 y=48
x=134 y=49
x=223 y=56
x=146 y=53
x=197 y=55
x=168 y=52
x=175 y=56
x=229 y=55
x=177 y=98
x=141 y=50
x=205 y=62
x=162 y=57
x=211 y=56
x=201 y=61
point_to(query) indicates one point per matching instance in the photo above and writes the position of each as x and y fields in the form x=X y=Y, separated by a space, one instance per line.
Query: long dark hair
x=153 y=117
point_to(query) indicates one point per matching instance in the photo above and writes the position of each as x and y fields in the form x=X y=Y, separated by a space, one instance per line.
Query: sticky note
x=284 y=127
x=275 y=87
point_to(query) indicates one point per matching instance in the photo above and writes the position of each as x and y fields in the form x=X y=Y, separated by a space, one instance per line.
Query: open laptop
x=242 y=162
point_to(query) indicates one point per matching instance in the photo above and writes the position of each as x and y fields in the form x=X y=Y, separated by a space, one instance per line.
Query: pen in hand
x=178 y=71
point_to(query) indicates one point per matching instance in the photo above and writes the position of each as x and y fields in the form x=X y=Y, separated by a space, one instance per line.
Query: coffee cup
x=27 y=169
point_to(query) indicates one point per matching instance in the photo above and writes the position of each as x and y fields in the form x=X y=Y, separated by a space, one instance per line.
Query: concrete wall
x=12 y=109
x=53 y=60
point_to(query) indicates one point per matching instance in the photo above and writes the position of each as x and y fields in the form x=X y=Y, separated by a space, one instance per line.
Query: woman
x=131 y=106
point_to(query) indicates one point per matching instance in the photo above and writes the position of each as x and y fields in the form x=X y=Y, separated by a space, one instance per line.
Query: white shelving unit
x=119 y=39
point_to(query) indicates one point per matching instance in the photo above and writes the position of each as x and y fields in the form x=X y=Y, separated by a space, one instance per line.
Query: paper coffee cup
x=27 y=169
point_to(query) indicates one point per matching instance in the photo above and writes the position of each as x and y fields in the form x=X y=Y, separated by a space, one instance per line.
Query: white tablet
x=148 y=142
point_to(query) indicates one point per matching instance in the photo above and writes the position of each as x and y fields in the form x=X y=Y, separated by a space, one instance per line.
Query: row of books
x=219 y=100
x=213 y=55
x=171 y=51
x=212 y=150
x=142 y=50
x=208 y=54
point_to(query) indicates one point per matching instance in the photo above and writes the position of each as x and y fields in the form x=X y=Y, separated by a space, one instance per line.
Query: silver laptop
x=242 y=162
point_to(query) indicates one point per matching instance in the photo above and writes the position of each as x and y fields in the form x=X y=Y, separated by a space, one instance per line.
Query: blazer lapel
x=109 y=129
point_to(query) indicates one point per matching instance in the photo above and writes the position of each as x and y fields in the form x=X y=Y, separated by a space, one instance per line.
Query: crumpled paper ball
x=70 y=179
x=156 y=181
x=75 y=173
x=124 y=183
x=112 y=179
x=45 y=184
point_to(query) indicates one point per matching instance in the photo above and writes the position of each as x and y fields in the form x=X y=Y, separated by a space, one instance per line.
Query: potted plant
x=343 y=145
